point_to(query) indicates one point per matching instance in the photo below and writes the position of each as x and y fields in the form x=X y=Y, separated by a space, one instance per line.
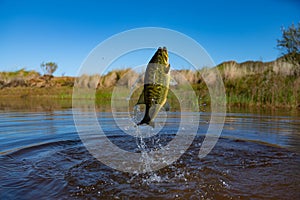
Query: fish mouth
x=163 y=54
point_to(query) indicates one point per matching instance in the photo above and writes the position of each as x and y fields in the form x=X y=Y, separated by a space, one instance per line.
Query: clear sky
x=65 y=31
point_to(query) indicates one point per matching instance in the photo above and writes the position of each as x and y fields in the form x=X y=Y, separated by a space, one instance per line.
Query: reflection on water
x=34 y=104
x=41 y=156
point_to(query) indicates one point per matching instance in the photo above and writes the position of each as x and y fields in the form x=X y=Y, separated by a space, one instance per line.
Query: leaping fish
x=156 y=85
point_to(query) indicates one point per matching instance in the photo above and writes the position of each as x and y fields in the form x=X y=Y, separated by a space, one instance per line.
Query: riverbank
x=250 y=84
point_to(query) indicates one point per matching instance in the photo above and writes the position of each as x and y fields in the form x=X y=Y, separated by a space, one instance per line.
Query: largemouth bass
x=156 y=85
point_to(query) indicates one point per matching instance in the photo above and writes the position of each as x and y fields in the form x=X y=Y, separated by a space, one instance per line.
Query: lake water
x=257 y=157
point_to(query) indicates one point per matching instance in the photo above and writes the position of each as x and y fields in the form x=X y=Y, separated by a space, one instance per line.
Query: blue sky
x=65 y=31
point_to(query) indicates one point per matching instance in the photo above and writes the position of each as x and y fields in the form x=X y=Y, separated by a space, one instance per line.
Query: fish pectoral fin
x=167 y=106
x=141 y=99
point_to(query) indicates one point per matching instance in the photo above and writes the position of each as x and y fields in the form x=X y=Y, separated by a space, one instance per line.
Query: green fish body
x=156 y=85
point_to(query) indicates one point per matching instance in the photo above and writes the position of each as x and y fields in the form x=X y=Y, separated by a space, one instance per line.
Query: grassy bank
x=255 y=84
x=271 y=84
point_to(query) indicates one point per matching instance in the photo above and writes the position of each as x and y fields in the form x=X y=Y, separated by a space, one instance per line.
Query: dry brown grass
x=250 y=83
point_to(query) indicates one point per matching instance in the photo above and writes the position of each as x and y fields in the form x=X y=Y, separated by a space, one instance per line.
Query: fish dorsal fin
x=141 y=99
x=167 y=69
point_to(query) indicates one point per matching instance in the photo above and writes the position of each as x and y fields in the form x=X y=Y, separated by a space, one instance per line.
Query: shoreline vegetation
x=257 y=84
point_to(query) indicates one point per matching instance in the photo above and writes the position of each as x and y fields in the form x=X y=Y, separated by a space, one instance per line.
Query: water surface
x=42 y=157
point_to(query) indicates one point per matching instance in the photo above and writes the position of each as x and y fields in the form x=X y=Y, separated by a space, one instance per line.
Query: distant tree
x=49 y=68
x=289 y=45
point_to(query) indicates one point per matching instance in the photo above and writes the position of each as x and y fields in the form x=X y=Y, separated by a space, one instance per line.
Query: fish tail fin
x=148 y=122
x=146 y=119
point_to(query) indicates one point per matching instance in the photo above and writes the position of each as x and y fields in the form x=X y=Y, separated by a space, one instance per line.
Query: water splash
x=145 y=148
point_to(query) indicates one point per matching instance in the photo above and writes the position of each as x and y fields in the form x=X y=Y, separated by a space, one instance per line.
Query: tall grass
x=272 y=84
